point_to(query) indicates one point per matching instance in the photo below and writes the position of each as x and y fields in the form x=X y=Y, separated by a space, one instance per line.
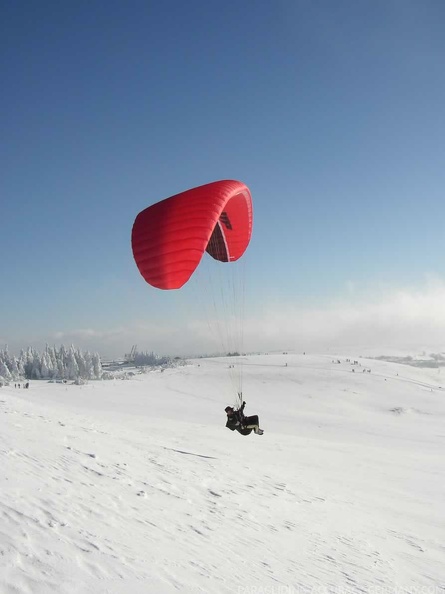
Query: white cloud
x=81 y=333
x=402 y=320
x=398 y=319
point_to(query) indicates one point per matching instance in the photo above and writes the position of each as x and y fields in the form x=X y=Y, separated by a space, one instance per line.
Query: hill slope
x=136 y=486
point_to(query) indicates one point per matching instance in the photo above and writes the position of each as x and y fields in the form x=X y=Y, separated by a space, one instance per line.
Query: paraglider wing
x=169 y=238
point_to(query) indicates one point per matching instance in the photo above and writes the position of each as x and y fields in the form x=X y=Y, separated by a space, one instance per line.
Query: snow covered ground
x=137 y=487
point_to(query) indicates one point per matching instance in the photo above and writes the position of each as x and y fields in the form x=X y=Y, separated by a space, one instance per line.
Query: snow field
x=137 y=486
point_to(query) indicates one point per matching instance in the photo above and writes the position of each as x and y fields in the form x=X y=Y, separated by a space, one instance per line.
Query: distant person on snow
x=244 y=425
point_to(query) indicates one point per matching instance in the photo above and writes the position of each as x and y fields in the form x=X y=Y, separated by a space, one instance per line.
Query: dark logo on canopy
x=224 y=218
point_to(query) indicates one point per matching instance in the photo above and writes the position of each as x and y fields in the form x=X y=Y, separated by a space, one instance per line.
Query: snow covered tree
x=72 y=366
x=14 y=368
x=5 y=374
x=97 y=366
x=52 y=363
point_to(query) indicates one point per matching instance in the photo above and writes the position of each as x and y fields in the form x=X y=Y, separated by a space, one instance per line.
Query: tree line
x=63 y=363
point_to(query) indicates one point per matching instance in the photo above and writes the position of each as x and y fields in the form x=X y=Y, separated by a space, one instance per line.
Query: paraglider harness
x=236 y=421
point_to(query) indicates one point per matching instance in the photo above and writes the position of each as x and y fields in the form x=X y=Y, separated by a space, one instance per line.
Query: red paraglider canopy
x=170 y=237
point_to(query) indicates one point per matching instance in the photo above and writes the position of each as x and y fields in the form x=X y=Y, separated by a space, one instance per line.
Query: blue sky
x=331 y=112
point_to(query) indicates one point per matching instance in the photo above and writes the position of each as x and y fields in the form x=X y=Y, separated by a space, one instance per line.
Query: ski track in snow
x=131 y=487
